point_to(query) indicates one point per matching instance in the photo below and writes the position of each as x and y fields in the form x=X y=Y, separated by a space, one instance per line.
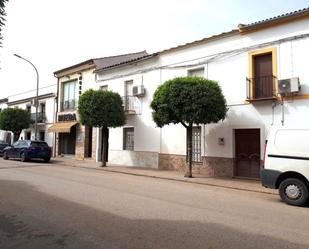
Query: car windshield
x=39 y=144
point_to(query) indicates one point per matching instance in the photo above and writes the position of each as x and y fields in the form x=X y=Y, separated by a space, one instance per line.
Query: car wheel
x=5 y=155
x=46 y=160
x=293 y=192
x=23 y=157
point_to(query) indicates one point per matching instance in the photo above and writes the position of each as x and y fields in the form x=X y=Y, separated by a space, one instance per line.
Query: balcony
x=41 y=117
x=261 y=88
x=131 y=104
x=68 y=105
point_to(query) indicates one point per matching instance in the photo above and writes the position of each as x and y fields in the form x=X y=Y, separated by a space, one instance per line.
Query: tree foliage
x=188 y=100
x=14 y=120
x=2 y=15
x=99 y=108
x=103 y=109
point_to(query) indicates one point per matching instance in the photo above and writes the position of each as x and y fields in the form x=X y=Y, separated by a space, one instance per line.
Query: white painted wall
x=49 y=110
x=226 y=61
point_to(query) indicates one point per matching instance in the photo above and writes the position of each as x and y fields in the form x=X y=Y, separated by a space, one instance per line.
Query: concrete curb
x=167 y=178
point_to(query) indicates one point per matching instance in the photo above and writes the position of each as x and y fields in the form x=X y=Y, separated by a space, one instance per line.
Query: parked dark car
x=27 y=150
x=3 y=144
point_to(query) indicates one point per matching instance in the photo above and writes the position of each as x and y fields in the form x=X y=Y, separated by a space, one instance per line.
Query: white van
x=286 y=164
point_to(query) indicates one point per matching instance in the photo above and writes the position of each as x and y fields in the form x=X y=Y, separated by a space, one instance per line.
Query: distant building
x=73 y=138
x=45 y=118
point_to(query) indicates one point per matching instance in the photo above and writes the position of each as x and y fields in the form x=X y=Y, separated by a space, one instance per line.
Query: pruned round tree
x=189 y=101
x=14 y=120
x=102 y=109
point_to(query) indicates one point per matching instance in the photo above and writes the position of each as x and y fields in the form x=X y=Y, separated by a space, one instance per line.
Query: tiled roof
x=106 y=62
x=5 y=100
x=103 y=62
x=283 y=17
x=115 y=61
x=207 y=39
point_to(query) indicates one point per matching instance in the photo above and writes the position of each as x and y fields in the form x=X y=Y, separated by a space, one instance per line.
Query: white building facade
x=249 y=63
x=46 y=112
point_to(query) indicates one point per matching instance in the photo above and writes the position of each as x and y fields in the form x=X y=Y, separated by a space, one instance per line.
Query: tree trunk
x=189 y=152
x=104 y=150
x=16 y=136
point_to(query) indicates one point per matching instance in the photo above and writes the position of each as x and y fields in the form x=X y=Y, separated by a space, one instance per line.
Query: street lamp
x=36 y=98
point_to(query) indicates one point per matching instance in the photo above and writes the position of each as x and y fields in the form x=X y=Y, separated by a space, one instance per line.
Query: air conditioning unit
x=287 y=86
x=138 y=91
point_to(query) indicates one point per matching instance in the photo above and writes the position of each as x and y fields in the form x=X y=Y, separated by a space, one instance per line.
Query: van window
x=292 y=141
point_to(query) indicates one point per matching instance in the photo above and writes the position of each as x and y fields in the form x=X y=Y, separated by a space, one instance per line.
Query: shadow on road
x=31 y=219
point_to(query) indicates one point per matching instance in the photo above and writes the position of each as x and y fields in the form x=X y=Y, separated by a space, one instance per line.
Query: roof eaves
x=126 y=62
x=5 y=100
x=204 y=40
x=295 y=15
x=43 y=96
x=87 y=62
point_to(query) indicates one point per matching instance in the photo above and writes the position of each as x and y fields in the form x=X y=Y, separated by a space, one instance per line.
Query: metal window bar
x=41 y=117
x=196 y=144
x=129 y=103
x=68 y=105
x=261 y=87
x=129 y=139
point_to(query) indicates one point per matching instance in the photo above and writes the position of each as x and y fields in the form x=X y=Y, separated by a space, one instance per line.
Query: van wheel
x=293 y=192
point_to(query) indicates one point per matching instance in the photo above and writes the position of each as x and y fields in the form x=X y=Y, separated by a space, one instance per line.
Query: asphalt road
x=50 y=206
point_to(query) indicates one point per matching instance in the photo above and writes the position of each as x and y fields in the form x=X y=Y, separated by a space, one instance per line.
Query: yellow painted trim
x=298 y=97
x=251 y=55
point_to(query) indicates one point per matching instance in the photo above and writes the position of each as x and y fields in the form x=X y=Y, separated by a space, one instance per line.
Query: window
x=128 y=98
x=128 y=138
x=69 y=95
x=28 y=108
x=42 y=135
x=262 y=80
x=196 y=144
x=42 y=107
x=28 y=135
x=199 y=72
x=104 y=88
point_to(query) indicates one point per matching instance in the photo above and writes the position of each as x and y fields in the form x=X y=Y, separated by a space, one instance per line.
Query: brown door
x=88 y=142
x=247 y=150
x=263 y=76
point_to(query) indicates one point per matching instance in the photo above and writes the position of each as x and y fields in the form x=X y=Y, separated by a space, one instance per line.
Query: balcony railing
x=68 y=105
x=260 y=88
x=131 y=104
x=41 y=117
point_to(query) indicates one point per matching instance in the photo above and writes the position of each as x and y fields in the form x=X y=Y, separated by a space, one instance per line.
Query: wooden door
x=247 y=153
x=263 y=76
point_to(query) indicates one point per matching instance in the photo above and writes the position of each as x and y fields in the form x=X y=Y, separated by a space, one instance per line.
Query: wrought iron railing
x=41 y=117
x=263 y=87
x=68 y=105
x=130 y=104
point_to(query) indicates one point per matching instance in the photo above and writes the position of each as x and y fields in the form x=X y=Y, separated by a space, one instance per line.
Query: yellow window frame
x=251 y=55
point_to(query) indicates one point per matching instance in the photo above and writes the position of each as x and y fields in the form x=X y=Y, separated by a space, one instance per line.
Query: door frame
x=262 y=142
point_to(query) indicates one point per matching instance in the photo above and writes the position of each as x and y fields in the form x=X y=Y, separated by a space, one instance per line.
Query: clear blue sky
x=54 y=34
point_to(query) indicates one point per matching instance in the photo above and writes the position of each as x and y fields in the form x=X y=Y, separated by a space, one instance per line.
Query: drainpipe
x=282 y=106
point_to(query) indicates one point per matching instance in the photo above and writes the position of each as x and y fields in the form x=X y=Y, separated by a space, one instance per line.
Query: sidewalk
x=232 y=183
